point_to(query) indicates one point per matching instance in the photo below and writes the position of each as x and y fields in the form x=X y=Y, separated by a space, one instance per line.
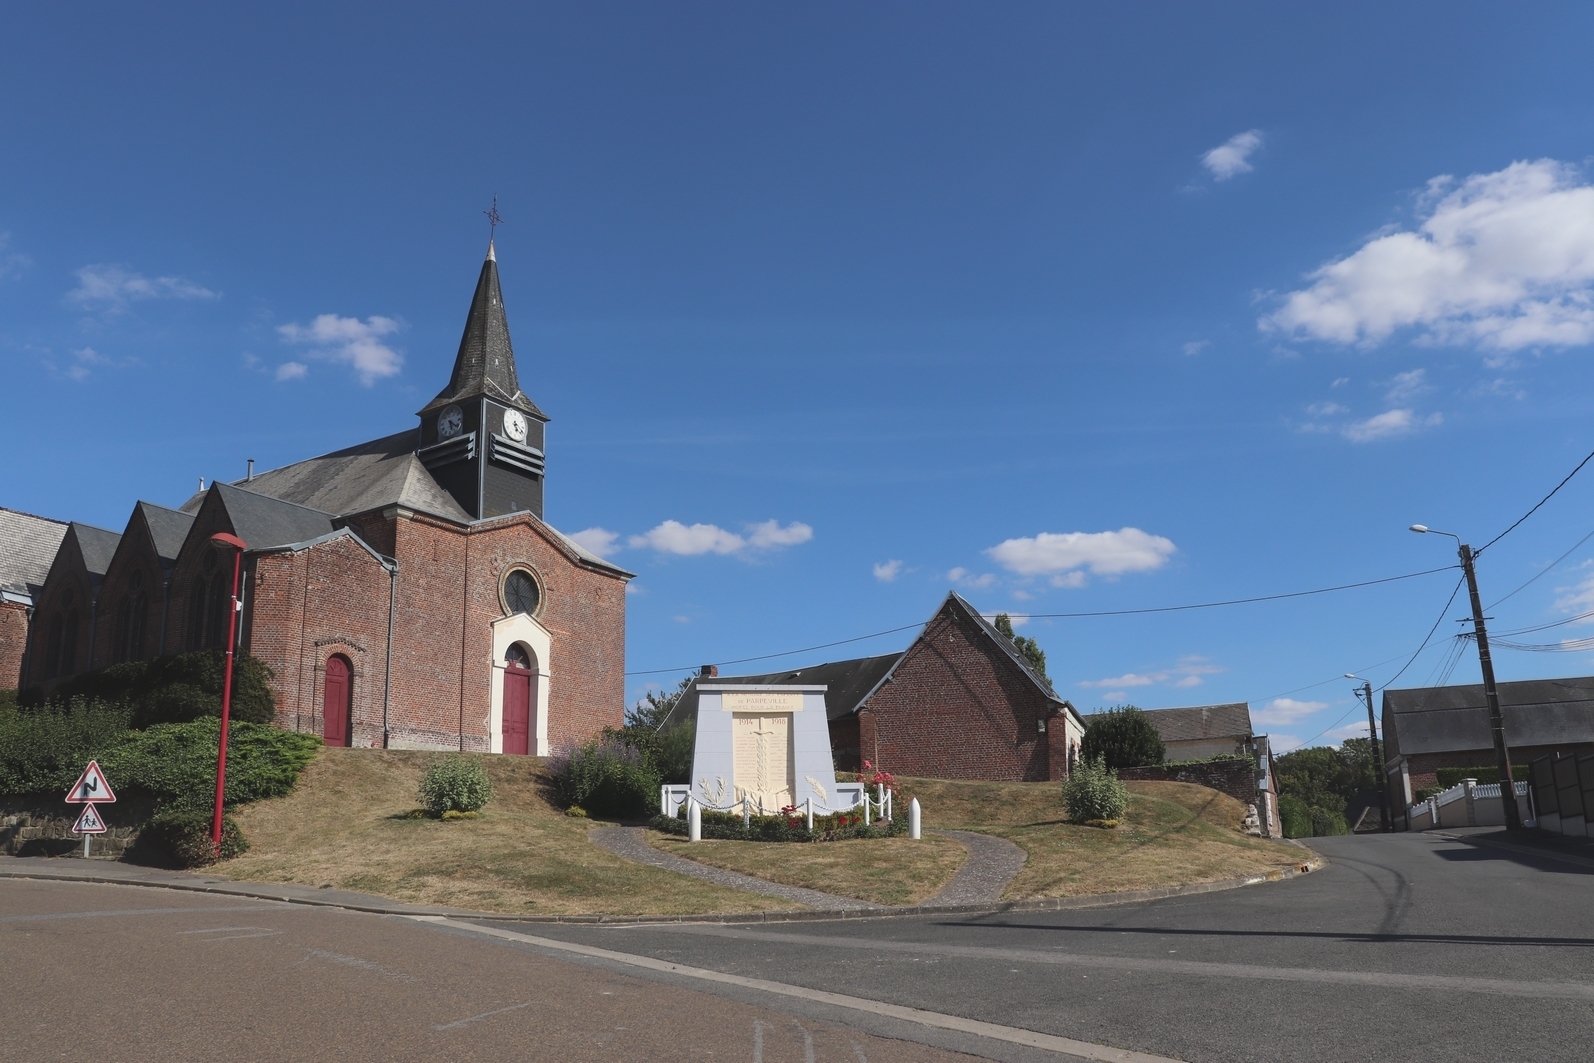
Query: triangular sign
x=90 y=787
x=89 y=822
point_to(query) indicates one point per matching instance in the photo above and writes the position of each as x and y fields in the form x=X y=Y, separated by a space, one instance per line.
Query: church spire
x=485 y=364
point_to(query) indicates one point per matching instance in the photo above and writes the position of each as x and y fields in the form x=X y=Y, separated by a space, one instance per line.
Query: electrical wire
x=1076 y=616
x=1535 y=509
x=1544 y=570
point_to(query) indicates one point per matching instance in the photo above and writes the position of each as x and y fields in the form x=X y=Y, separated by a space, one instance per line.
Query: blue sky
x=1071 y=308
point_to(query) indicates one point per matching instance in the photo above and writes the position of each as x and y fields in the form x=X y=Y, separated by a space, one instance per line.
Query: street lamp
x=224 y=541
x=1379 y=775
x=1502 y=755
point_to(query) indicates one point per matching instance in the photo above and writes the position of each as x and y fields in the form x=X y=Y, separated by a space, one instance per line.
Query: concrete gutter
x=60 y=869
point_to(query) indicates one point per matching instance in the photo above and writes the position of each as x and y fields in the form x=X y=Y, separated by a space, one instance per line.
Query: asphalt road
x=1409 y=947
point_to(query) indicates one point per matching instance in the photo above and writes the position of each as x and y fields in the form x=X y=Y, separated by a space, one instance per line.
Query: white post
x=866 y=806
x=86 y=838
x=913 y=819
x=694 y=821
x=880 y=796
x=747 y=811
x=808 y=803
x=664 y=800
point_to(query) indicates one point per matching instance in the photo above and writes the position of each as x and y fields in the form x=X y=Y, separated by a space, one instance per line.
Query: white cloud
x=1018 y=620
x=771 y=534
x=1283 y=743
x=598 y=541
x=1387 y=424
x=1340 y=382
x=1286 y=711
x=1069 y=579
x=1189 y=681
x=673 y=537
x=679 y=619
x=1195 y=347
x=1407 y=386
x=1187 y=673
x=633 y=588
x=1326 y=409
x=350 y=340
x=1350 y=730
x=292 y=371
x=1503 y=260
x=1233 y=156
x=1114 y=695
x=1108 y=553
x=112 y=287
x=886 y=571
x=1578 y=598
x=1128 y=679
x=964 y=578
x=84 y=361
x=12 y=263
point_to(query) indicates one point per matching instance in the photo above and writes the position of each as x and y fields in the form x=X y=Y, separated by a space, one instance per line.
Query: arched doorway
x=337 y=700
x=520 y=692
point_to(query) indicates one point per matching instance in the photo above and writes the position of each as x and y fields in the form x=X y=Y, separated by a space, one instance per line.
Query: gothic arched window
x=131 y=619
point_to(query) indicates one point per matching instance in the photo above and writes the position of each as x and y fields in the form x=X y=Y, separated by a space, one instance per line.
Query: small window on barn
x=521 y=592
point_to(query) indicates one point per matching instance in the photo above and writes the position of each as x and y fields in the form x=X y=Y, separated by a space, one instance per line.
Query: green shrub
x=456 y=784
x=44 y=751
x=178 y=688
x=672 y=753
x=176 y=762
x=1425 y=792
x=1295 y=816
x=1094 y=792
x=607 y=777
x=1326 y=822
x=1123 y=737
x=1448 y=777
x=181 y=838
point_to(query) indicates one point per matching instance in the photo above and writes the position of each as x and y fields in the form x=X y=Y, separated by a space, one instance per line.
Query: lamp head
x=224 y=541
x=1419 y=528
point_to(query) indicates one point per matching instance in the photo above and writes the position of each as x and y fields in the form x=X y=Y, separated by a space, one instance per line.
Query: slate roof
x=367 y=476
x=168 y=528
x=27 y=546
x=1538 y=712
x=1198 y=722
x=97 y=545
x=485 y=364
x=846 y=684
x=1003 y=643
x=263 y=521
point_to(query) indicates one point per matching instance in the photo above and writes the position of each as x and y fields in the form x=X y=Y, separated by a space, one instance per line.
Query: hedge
x=174 y=689
x=1448 y=777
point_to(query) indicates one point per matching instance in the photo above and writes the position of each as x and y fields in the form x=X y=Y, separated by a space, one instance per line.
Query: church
x=405 y=592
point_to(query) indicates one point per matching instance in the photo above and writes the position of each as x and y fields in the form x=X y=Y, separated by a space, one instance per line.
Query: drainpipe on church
x=387 y=683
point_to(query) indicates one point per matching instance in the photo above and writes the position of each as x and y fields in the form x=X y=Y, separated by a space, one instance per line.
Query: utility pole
x=1387 y=822
x=1502 y=755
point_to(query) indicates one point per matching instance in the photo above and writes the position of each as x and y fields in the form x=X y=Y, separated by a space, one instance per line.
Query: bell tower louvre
x=482 y=438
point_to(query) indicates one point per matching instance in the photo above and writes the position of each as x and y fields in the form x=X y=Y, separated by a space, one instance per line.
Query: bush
x=176 y=762
x=1094 y=792
x=44 y=751
x=1123 y=737
x=1295 y=816
x=457 y=783
x=1448 y=777
x=178 y=688
x=1326 y=822
x=672 y=753
x=181 y=838
x=1425 y=792
x=607 y=777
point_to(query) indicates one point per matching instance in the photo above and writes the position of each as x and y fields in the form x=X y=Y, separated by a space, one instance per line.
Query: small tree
x=648 y=713
x=1122 y=737
x=1028 y=647
x=456 y=783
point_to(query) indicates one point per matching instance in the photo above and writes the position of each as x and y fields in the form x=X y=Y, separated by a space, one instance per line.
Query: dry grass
x=523 y=855
x=1172 y=834
x=880 y=870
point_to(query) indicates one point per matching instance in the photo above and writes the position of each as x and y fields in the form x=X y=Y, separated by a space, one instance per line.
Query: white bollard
x=747 y=811
x=664 y=800
x=808 y=803
x=694 y=821
x=866 y=805
x=913 y=819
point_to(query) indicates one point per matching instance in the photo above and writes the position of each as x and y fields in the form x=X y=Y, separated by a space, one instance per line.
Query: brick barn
x=960 y=703
x=406 y=592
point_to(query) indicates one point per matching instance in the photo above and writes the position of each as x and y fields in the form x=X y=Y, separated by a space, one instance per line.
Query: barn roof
x=1538 y=712
x=27 y=546
x=1197 y=722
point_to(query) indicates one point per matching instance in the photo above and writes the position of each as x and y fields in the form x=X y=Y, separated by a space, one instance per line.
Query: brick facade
x=13 y=642
x=958 y=707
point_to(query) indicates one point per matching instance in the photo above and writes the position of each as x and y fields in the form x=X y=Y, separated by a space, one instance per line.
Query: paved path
x=630 y=843
x=992 y=864
x=1416 y=947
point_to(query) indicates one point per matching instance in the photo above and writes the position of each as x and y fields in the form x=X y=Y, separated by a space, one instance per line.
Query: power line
x=1075 y=616
x=1546 y=569
x=1535 y=509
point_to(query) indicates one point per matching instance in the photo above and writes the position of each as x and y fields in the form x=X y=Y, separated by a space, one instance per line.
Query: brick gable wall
x=13 y=643
x=958 y=707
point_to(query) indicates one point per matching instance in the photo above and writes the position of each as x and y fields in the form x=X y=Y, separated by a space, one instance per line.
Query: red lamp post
x=224 y=541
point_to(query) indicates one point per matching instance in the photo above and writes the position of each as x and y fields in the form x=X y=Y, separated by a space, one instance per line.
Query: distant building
x=406 y=592
x=960 y=703
x=27 y=546
x=1201 y=732
x=1428 y=728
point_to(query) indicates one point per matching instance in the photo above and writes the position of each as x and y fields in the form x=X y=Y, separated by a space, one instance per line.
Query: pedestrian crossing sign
x=90 y=822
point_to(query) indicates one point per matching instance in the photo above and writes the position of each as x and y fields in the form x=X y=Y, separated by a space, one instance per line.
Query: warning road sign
x=90 y=787
x=89 y=822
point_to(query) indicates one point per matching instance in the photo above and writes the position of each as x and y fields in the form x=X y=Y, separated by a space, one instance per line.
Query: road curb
x=375 y=906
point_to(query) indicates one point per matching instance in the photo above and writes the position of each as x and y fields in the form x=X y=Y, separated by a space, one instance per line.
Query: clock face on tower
x=515 y=425
x=450 y=422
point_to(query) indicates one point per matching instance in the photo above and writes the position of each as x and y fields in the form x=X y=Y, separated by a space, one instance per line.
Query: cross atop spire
x=493 y=222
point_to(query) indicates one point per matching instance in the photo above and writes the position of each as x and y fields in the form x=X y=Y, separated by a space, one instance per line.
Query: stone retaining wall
x=41 y=827
x=1237 y=778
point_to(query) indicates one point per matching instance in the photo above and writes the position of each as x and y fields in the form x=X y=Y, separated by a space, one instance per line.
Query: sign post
x=90 y=790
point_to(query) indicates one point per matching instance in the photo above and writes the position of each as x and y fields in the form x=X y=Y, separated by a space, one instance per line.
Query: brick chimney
x=708 y=671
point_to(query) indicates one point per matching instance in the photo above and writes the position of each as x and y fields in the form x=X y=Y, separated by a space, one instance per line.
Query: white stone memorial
x=767 y=746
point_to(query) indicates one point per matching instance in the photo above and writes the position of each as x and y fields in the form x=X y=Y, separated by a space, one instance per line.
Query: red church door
x=336 y=702
x=519 y=690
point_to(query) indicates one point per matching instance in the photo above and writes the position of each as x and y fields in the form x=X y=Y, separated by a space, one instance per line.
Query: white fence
x=850 y=796
x=1468 y=804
